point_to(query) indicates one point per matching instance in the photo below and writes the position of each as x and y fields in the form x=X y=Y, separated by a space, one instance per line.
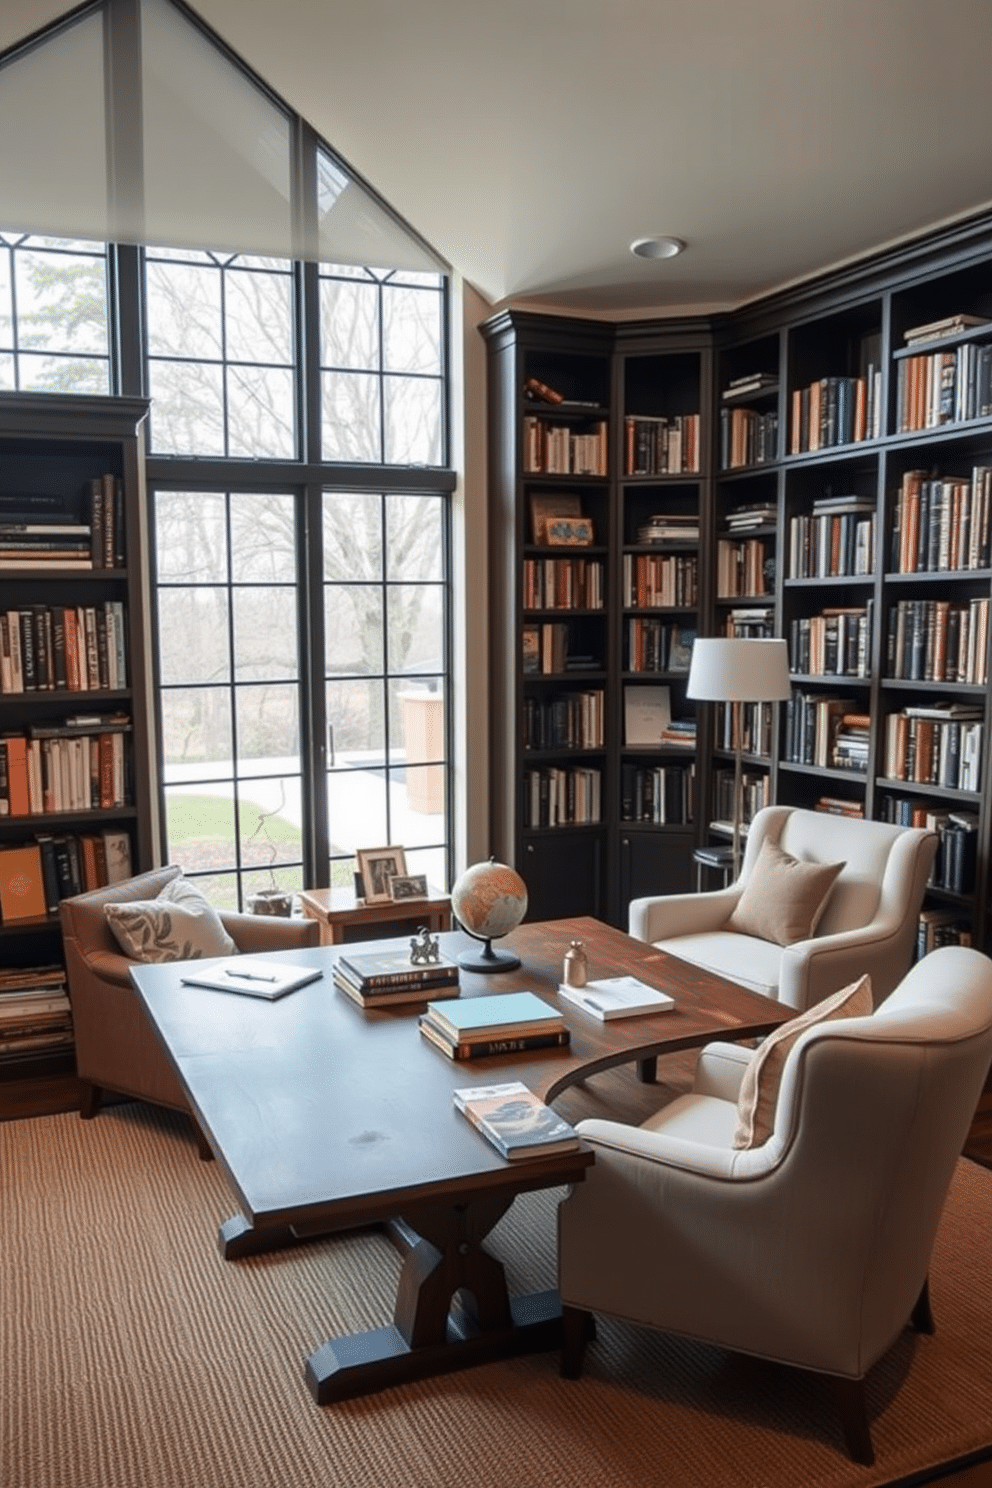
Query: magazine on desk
x=516 y=1122
x=617 y=997
x=253 y=977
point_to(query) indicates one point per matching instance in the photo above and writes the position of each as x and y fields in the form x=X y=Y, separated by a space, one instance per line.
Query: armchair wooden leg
x=578 y=1328
x=849 y=1403
x=90 y=1097
x=921 y=1316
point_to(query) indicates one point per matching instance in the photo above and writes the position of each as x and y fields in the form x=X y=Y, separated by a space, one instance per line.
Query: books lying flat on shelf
x=617 y=997
x=254 y=977
x=515 y=1121
x=391 y=970
x=949 y=325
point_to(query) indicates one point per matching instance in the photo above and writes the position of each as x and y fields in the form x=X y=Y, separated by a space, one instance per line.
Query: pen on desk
x=247 y=976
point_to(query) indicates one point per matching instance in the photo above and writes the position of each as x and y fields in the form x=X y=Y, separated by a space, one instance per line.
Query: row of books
x=389 y=978
x=661 y=445
x=546 y=650
x=660 y=581
x=81 y=764
x=556 y=797
x=572 y=721
x=812 y=720
x=934 y=640
x=562 y=584
x=654 y=645
x=504 y=1023
x=935 y=746
x=755 y=793
x=835 y=643
x=941 y=522
x=836 y=538
x=940 y=927
x=747 y=437
x=50 y=648
x=662 y=794
x=560 y=449
x=36 y=875
x=744 y=568
x=40 y=531
x=943 y=387
x=836 y=410
x=755 y=723
x=35 y=1013
x=957 y=836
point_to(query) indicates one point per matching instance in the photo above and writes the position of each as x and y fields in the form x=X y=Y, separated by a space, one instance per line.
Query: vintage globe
x=489 y=900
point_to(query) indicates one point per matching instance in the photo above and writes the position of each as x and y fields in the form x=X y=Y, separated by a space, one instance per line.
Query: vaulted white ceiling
x=531 y=140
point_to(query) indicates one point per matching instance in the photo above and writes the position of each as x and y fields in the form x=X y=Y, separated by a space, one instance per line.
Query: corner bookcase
x=818 y=466
x=80 y=701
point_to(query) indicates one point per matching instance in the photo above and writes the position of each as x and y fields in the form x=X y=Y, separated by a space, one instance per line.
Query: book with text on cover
x=516 y=1122
x=253 y=976
x=487 y=1046
x=503 y=1015
x=415 y=995
x=389 y=969
x=617 y=997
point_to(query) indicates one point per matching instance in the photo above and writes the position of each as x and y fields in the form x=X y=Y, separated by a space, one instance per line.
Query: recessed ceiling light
x=656 y=247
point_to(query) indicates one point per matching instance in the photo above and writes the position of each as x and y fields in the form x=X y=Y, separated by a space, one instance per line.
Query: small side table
x=343 y=917
x=718 y=859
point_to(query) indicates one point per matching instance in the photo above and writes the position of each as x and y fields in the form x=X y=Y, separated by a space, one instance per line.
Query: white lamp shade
x=739 y=670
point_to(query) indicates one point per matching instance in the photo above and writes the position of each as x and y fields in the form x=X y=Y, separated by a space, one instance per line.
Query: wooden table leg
x=452 y=1309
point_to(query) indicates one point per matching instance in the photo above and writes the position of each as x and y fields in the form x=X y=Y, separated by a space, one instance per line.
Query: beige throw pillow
x=758 y=1095
x=180 y=925
x=784 y=896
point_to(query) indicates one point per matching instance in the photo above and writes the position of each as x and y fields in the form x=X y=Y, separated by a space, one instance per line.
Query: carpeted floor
x=133 y=1356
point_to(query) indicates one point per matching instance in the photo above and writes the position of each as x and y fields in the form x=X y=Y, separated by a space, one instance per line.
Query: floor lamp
x=735 y=671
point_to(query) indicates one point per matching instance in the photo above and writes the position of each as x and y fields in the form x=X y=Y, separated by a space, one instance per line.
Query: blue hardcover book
x=507 y=1012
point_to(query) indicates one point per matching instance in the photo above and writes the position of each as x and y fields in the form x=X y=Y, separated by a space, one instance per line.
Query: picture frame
x=407 y=886
x=568 y=532
x=377 y=865
x=547 y=504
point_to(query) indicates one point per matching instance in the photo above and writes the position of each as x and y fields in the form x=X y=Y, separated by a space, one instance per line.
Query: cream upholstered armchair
x=812 y=1247
x=116 y=1047
x=863 y=919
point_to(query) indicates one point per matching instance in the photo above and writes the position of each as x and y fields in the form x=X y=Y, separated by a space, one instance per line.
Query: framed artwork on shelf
x=377 y=865
x=545 y=505
x=408 y=886
x=568 y=532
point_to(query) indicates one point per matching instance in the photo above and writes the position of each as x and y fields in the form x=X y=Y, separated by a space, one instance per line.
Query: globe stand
x=488 y=960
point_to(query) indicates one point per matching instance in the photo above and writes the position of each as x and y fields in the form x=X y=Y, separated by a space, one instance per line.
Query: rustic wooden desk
x=324 y=1116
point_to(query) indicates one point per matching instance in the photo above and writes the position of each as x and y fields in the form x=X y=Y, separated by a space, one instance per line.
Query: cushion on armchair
x=759 y=1088
x=179 y=925
x=783 y=897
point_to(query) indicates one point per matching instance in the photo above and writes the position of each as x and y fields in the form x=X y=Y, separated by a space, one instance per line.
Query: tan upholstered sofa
x=116 y=1047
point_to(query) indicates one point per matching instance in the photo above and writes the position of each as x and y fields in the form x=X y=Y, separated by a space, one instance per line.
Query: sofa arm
x=813 y=969
x=680 y=914
x=108 y=966
x=258 y=933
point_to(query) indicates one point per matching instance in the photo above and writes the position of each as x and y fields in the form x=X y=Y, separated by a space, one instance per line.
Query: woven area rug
x=133 y=1356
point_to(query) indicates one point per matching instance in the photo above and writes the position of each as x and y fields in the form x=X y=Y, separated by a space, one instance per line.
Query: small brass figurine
x=424 y=950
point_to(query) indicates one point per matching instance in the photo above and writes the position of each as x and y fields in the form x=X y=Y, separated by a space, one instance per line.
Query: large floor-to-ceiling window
x=297 y=464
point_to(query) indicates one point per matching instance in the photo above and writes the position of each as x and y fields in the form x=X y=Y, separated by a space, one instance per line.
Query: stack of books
x=383 y=978
x=507 y=1023
x=34 y=1010
x=515 y=1121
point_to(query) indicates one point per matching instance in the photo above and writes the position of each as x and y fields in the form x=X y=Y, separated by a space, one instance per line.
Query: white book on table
x=617 y=997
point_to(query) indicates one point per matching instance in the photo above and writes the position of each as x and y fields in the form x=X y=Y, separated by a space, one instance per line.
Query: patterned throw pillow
x=180 y=925
x=758 y=1096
